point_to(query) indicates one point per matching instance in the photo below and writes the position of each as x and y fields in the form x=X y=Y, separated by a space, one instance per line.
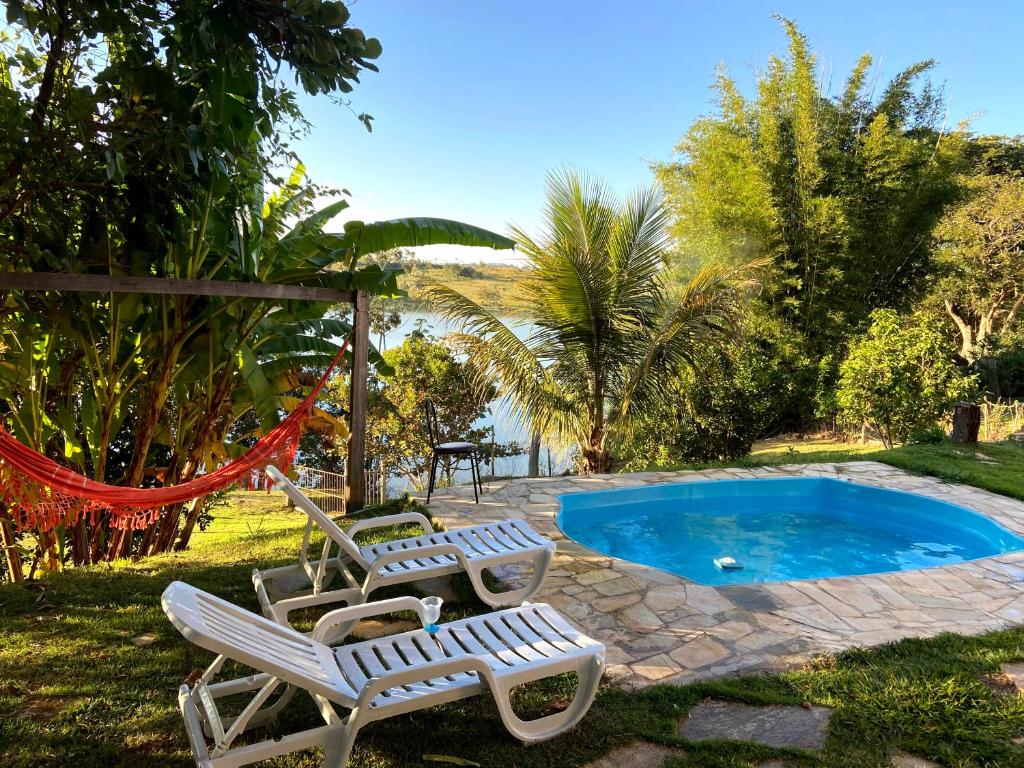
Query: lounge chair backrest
x=317 y=515
x=264 y=645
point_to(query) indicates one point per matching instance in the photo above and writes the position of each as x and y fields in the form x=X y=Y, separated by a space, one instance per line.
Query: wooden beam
x=355 y=477
x=56 y=281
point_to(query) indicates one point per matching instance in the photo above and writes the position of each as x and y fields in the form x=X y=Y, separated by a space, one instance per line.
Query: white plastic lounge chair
x=373 y=679
x=395 y=562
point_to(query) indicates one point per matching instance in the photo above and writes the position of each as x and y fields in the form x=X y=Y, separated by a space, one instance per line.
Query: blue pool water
x=779 y=528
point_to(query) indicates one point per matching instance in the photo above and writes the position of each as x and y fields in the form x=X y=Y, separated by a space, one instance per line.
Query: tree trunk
x=80 y=543
x=11 y=555
x=968 y=347
x=966 y=423
x=190 y=523
x=534 y=467
x=164 y=537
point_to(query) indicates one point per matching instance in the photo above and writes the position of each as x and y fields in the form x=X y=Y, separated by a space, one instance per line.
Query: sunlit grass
x=75 y=690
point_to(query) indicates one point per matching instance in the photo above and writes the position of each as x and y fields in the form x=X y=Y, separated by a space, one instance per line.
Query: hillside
x=494 y=286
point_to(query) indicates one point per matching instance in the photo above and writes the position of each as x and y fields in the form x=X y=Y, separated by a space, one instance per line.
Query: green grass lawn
x=75 y=690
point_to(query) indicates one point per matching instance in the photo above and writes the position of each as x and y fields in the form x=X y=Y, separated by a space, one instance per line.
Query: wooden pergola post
x=355 y=482
x=355 y=465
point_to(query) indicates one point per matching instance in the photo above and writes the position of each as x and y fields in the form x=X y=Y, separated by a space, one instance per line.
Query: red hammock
x=39 y=493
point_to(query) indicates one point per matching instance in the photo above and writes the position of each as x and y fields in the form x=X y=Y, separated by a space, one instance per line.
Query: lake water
x=501 y=416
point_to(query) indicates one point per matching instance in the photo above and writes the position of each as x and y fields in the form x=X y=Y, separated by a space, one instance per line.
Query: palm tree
x=609 y=329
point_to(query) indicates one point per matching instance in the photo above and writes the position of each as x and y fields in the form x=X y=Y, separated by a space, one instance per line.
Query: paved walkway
x=659 y=627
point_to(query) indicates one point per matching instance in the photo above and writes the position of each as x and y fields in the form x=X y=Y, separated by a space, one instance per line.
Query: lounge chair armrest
x=419 y=553
x=365 y=610
x=421 y=673
x=383 y=522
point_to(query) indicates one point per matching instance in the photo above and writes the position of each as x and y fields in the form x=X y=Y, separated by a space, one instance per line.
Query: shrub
x=899 y=376
x=927 y=435
x=754 y=387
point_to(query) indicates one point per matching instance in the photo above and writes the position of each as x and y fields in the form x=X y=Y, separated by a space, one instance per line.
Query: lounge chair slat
x=536 y=622
x=515 y=644
x=524 y=630
x=501 y=538
x=494 y=644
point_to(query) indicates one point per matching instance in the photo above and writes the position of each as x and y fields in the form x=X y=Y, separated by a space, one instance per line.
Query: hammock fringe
x=39 y=493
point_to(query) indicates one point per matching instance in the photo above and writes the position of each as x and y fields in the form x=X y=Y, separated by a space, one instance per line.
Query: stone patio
x=659 y=627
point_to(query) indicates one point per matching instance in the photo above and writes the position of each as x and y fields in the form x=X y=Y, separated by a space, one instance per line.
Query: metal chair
x=453 y=450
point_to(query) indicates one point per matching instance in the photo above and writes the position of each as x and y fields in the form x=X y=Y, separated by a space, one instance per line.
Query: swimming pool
x=778 y=529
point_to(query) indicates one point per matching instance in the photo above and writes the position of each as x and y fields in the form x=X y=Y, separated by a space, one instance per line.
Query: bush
x=758 y=385
x=899 y=377
x=927 y=436
x=1002 y=375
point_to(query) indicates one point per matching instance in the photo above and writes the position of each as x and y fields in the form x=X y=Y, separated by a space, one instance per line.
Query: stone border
x=659 y=627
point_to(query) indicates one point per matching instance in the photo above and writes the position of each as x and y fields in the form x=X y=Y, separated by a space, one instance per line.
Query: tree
x=609 y=333
x=980 y=258
x=716 y=412
x=899 y=377
x=421 y=368
x=838 y=192
x=162 y=125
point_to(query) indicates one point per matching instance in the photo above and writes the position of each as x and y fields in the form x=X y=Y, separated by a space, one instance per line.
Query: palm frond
x=693 y=321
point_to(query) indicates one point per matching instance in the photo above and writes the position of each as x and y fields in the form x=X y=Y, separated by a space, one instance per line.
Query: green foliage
x=609 y=334
x=980 y=262
x=899 y=377
x=161 y=126
x=838 y=192
x=421 y=368
x=716 y=411
x=933 y=435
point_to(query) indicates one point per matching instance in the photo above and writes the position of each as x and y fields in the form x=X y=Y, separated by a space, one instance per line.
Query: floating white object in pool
x=728 y=564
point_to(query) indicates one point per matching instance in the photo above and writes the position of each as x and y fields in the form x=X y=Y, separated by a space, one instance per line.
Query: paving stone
x=617 y=602
x=655 y=642
x=731 y=630
x=656 y=667
x=597 y=575
x=665 y=598
x=141 y=641
x=700 y=652
x=774 y=726
x=906 y=760
x=638 y=755
x=773 y=764
x=707 y=600
x=1015 y=673
x=660 y=624
x=640 y=616
x=618 y=586
x=751 y=598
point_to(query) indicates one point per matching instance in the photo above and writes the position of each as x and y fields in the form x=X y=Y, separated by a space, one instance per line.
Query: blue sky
x=477 y=99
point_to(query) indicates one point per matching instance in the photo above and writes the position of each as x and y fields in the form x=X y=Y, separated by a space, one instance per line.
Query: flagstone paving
x=1015 y=674
x=775 y=726
x=659 y=627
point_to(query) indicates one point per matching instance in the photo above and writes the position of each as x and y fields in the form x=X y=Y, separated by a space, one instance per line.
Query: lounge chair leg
x=544 y=728
x=515 y=596
x=338 y=751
